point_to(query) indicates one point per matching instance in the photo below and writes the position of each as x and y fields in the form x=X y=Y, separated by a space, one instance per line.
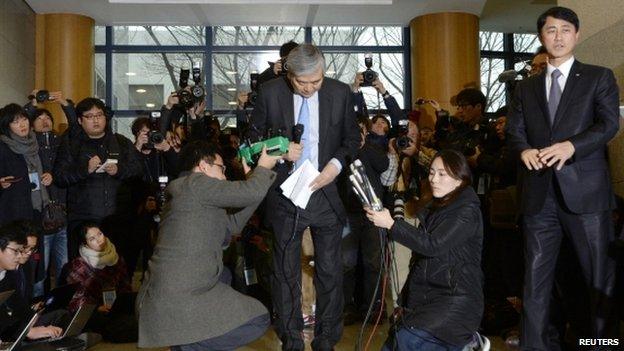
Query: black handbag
x=54 y=217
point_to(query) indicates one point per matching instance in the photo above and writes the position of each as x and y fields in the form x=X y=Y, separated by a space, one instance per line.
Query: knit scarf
x=29 y=149
x=100 y=259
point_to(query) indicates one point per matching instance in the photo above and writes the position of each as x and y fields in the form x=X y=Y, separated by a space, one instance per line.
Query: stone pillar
x=64 y=58
x=444 y=58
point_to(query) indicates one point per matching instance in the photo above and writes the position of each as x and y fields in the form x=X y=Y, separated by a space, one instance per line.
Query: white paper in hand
x=297 y=186
x=102 y=168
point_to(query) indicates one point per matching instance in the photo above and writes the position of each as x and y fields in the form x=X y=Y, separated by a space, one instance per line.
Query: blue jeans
x=232 y=340
x=417 y=339
x=55 y=245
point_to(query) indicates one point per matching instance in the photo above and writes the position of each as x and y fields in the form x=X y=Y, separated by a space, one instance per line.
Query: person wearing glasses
x=182 y=303
x=96 y=165
x=15 y=249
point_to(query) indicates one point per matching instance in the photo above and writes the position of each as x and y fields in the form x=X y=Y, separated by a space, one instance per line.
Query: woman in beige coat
x=182 y=303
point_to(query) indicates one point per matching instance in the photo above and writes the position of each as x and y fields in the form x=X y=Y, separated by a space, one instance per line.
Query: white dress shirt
x=313 y=108
x=564 y=68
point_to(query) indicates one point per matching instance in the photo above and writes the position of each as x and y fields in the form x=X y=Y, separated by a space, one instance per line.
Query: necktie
x=304 y=118
x=554 y=95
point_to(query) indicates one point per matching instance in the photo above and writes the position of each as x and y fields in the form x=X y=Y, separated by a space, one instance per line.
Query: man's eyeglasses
x=16 y=252
x=223 y=167
x=90 y=116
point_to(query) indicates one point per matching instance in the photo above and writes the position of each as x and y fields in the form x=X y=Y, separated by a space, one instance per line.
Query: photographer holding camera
x=159 y=161
x=371 y=78
x=54 y=222
x=279 y=67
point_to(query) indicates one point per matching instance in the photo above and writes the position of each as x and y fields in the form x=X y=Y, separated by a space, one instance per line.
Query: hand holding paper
x=297 y=187
x=329 y=173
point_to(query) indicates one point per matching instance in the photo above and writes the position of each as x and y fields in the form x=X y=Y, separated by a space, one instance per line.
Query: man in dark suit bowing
x=559 y=124
x=330 y=134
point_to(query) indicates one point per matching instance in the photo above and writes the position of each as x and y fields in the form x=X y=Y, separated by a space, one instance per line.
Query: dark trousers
x=232 y=340
x=590 y=236
x=363 y=240
x=288 y=226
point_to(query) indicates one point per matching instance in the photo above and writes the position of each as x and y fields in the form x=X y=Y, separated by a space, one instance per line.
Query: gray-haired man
x=330 y=137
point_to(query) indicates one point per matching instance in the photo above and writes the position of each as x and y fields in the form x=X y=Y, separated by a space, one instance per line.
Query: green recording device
x=276 y=146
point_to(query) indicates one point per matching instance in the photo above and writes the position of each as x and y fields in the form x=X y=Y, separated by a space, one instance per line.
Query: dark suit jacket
x=588 y=117
x=339 y=135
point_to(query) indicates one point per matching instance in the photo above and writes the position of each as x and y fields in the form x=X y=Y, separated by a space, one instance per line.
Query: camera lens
x=198 y=91
x=156 y=137
x=42 y=96
x=402 y=142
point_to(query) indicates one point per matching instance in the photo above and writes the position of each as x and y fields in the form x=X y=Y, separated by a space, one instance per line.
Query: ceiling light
x=130 y=74
x=141 y=91
x=230 y=72
x=231 y=89
x=150 y=105
x=232 y=103
x=331 y=72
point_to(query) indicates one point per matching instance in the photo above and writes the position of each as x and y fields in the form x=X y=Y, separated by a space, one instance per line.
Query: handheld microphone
x=297 y=133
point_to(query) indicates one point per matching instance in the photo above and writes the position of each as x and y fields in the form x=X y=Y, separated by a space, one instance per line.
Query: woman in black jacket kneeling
x=442 y=299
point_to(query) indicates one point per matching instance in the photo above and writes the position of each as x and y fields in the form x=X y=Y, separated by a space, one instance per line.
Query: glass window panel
x=389 y=66
x=526 y=42
x=493 y=90
x=99 y=81
x=257 y=35
x=357 y=36
x=159 y=35
x=144 y=81
x=491 y=41
x=100 y=35
x=123 y=126
x=230 y=75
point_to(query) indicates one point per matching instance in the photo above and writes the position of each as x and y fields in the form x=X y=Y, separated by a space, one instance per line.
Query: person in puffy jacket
x=442 y=300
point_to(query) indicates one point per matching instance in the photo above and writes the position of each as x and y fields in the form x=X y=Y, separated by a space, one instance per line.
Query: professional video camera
x=252 y=97
x=154 y=136
x=369 y=75
x=188 y=99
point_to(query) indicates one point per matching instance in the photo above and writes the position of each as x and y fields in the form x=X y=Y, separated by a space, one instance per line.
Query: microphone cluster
x=362 y=186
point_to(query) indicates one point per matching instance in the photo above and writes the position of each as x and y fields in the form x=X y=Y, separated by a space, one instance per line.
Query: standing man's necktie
x=554 y=95
x=304 y=118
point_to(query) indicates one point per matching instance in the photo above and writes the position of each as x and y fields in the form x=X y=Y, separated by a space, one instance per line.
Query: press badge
x=35 y=184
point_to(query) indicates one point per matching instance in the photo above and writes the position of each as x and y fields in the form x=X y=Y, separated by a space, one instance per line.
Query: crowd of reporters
x=94 y=198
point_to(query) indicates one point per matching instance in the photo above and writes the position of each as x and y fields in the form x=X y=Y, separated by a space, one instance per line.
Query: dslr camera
x=42 y=95
x=369 y=75
x=154 y=136
x=187 y=99
x=402 y=141
x=252 y=97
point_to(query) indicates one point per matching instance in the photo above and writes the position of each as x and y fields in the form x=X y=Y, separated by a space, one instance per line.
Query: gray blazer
x=181 y=300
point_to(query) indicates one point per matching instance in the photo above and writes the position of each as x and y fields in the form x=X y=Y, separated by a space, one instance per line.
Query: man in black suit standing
x=560 y=123
x=323 y=106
